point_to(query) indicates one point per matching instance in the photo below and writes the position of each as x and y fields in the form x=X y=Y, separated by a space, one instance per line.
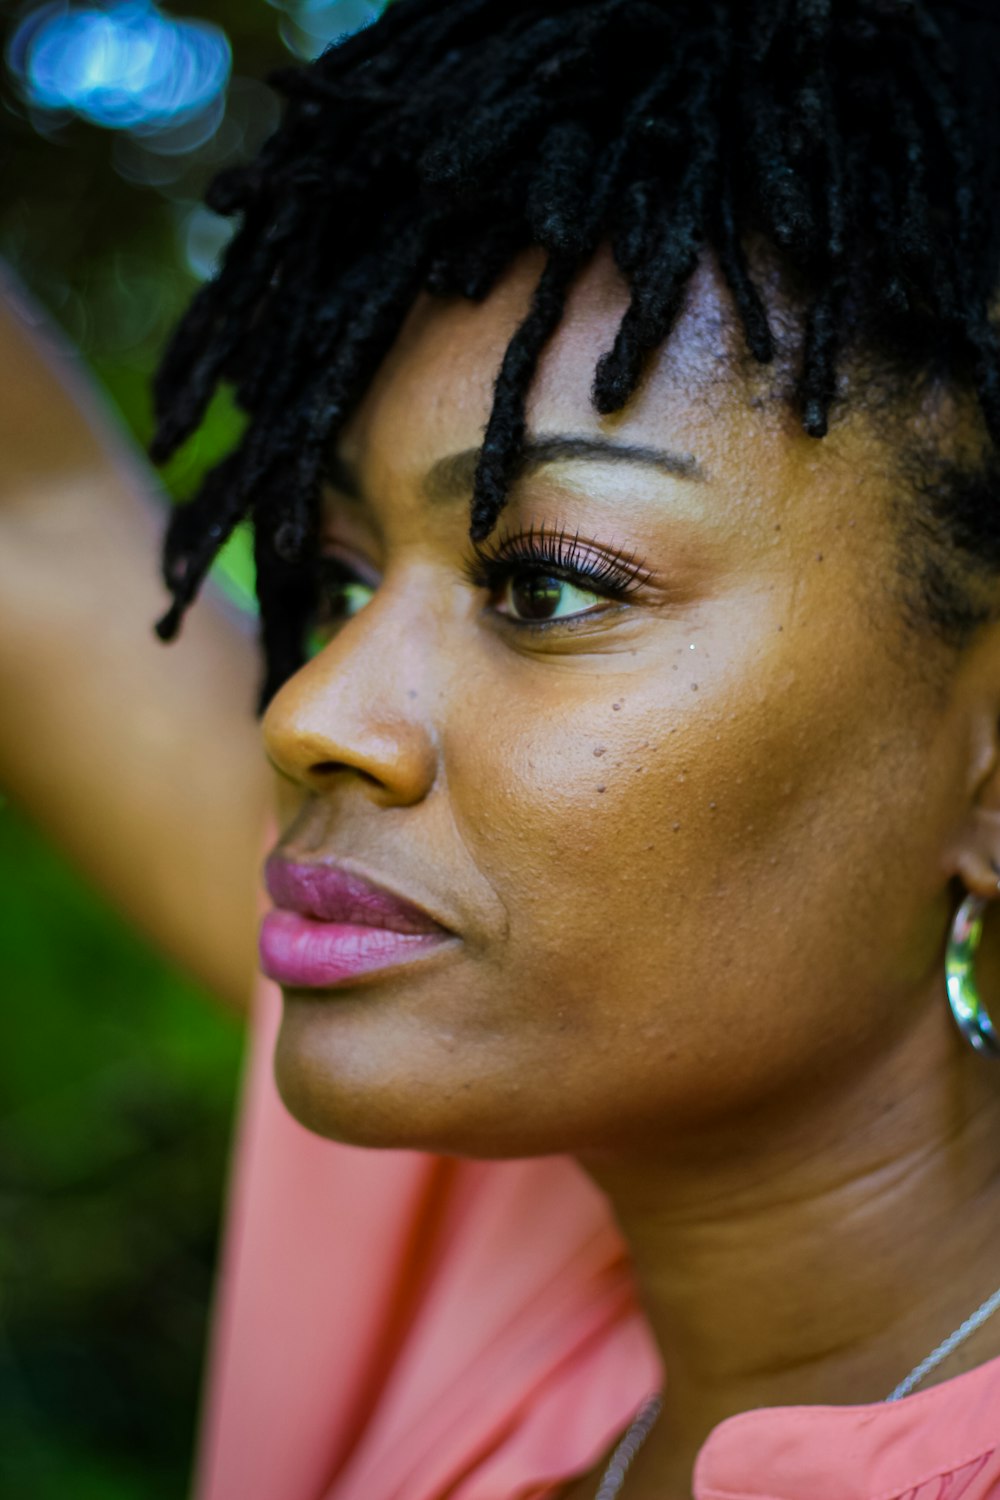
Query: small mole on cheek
x=694 y=687
x=602 y=788
x=411 y=692
x=819 y=557
x=600 y=749
x=616 y=707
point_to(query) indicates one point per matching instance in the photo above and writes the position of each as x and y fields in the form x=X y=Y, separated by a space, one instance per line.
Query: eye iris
x=536 y=596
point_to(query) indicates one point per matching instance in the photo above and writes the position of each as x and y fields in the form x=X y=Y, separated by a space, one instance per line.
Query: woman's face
x=692 y=839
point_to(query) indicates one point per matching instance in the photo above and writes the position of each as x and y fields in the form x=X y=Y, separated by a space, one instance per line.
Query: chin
x=390 y=1087
x=325 y=1088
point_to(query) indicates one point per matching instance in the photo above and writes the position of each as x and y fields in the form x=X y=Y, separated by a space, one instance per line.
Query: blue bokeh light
x=125 y=66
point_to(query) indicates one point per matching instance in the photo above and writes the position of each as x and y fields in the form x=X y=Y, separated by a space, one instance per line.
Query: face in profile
x=662 y=757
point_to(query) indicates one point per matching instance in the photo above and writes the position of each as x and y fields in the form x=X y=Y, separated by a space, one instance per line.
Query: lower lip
x=300 y=953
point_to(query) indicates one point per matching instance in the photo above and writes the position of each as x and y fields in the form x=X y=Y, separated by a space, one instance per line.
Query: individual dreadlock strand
x=821 y=137
x=504 y=438
x=810 y=106
x=639 y=223
x=931 y=67
x=818 y=382
x=287 y=592
x=658 y=285
x=194 y=535
x=733 y=264
x=788 y=212
x=912 y=223
x=893 y=288
x=649 y=317
x=558 y=193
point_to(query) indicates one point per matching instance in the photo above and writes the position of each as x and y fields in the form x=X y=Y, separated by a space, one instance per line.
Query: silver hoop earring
x=971 y=1016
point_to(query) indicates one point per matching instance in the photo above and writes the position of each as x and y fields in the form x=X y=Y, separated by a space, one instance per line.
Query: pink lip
x=334 y=926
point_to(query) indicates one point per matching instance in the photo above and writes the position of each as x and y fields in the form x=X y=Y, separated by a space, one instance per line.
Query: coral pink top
x=393 y=1326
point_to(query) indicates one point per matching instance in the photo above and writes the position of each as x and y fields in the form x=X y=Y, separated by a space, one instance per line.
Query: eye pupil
x=535 y=596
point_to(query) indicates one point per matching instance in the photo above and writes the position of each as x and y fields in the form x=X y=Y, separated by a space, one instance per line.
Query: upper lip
x=330 y=893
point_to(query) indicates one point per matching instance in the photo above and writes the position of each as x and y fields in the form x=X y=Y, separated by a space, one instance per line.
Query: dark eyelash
x=554 y=554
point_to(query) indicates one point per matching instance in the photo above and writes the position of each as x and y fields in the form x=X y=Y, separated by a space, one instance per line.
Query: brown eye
x=542 y=596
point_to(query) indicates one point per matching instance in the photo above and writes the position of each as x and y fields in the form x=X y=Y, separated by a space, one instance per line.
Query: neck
x=816 y=1252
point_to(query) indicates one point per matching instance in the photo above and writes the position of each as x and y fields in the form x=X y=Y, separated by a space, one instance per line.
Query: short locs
x=429 y=150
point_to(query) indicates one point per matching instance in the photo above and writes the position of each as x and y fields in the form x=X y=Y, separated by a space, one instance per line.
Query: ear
x=975 y=857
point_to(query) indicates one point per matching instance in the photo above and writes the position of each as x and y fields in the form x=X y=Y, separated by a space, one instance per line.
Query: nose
x=359 y=711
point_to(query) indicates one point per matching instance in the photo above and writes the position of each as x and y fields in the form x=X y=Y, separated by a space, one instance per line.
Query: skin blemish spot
x=819 y=557
x=616 y=707
x=677 y=828
x=694 y=687
x=411 y=692
x=602 y=788
x=712 y=806
x=600 y=749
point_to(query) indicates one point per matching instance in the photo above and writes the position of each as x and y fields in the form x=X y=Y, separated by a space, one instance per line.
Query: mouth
x=331 y=926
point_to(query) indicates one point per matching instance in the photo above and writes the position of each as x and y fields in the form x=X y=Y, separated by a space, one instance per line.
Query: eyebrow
x=452 y=478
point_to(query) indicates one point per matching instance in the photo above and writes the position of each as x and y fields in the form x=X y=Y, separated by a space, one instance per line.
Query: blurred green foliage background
x=117 y=1075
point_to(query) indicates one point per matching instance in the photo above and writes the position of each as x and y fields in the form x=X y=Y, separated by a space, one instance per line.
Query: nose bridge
x=363 y=705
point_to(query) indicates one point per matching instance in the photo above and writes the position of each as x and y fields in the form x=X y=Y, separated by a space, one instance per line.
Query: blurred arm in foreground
x=143 y=761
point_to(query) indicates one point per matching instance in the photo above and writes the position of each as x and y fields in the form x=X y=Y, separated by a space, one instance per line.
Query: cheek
x=681 y=856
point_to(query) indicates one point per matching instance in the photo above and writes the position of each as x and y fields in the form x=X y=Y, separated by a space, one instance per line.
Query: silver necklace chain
x=645 y=1420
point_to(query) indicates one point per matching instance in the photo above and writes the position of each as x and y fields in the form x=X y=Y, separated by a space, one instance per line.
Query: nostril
x=330 y=767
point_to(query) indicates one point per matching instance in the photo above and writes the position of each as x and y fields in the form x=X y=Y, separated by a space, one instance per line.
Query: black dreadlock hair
x=427 y=151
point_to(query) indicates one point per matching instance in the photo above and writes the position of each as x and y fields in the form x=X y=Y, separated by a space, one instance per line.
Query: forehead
x=433 y=393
